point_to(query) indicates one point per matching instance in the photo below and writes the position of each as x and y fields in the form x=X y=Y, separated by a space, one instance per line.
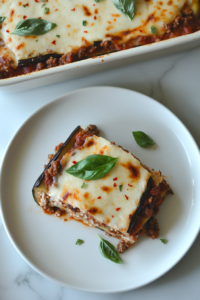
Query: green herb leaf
x=58 y=35
x=46 y=10
x=126 y=6
x=84 y=185
x=43 y=4
x=33 y=27
x=120 y=187
x=153 y=29
x=79 y=242
x=109 y=251
x=2 y=19
x=93 y=167
x=142 y=139
x=84 y=23
x=164 y=241
x=36 y=41
x=97 y=0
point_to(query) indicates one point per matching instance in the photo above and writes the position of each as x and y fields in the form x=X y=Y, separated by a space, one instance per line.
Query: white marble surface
x=175 y=82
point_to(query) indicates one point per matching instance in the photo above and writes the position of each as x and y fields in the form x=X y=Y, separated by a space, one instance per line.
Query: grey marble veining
x=174 y=81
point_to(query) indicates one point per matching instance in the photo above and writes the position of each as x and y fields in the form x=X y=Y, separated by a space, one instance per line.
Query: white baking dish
x=101 y=63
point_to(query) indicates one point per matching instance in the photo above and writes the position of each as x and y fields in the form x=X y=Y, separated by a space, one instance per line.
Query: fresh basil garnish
x=109 y=251
x=33 y=27
x=79 y=242
x=84 y=185
x=153 y=29
x=2 y=19
x=142 y=139
x=126 y=6
x=164 y=241
x=93 y=167
x=46 y=10
x=120 y=187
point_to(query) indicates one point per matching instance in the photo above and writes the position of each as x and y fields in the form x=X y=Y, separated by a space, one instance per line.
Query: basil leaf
x=126 y=6
x=2 y=19
x=84 y=185
x=153 y=29
x=97 y=0
x=164 y=241
x=109 y=251
x=46 y=10
x=93 y=167
x=120 y=187
x=142 y=139
x=79 y=242
x=33 y=27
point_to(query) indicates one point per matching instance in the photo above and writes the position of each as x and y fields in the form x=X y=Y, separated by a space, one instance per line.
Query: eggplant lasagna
x=40 y=34
x=123 y=203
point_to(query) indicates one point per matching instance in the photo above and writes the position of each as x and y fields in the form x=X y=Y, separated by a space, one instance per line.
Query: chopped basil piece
x=2 y=19
x=153 y=29
x=36 y=40
x=33 y=27
x=97 y=0
x=58 y=35
x=43 y=4
x=109 y=251
x=164 y=241
x=142 y=139
x=126 y=6
x=79 y=242
x=46 y=10
x=120 y=187
x=84 y=185
x=84 y=23
x=93 y=167
x=24 y=5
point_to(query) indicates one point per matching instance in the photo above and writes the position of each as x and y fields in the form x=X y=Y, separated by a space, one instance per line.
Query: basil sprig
x=109 y=251
x=164 y=241
x=126 y=6
x=2 y=19
x=33 y=27
x=142 y=139
x=93 y=167
x=153 y=29
x=79 y=242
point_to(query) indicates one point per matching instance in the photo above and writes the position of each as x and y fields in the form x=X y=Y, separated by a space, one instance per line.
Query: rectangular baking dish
x=100 y=63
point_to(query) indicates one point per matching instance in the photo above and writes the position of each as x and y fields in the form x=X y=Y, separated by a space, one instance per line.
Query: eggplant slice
x=39 y=185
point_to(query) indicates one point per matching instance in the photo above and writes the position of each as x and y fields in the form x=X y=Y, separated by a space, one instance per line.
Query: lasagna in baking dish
x=40 y=34
x=102 y=185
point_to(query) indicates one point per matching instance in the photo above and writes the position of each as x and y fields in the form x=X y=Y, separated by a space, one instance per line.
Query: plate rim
x=11 y=141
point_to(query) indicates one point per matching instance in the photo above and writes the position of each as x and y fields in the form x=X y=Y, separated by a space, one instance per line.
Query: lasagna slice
x=123 y=203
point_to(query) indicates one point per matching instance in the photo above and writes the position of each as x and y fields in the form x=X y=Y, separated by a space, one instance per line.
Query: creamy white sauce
x=103 y=194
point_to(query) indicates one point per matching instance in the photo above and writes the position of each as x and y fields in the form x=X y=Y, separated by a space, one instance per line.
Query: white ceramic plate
x=48 y=243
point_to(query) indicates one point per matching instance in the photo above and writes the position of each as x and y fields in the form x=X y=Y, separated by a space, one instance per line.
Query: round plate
x=48 y=243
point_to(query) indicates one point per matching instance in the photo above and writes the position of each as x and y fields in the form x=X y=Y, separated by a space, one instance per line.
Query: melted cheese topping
x=104 y=20
x=102 y=198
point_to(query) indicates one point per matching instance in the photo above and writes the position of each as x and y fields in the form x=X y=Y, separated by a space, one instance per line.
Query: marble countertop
x=174 y=82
